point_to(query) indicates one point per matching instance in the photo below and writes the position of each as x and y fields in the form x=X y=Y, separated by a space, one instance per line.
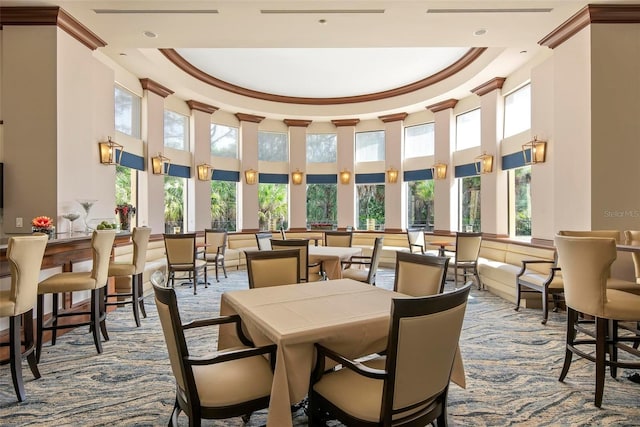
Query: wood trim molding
x=345 y=122
x=156 y=88
x=472 y=54
x=444 y=105
x=592 y=14
x=249 y=118
x=201 y=106
x=490 y=86
x=298 y=123
x=393 y=117
x=51 y=16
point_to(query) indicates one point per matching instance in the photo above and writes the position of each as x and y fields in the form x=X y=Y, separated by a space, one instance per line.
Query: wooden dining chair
x=181 y=258
x=370 y=264
x=308 y=272
x=263 y=239
x=215 y=248
x=466 y=257
x=416 y=240
x=273 y=268
x=341 y=239
x=420 y=275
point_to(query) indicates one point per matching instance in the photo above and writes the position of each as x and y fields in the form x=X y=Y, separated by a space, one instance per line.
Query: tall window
x=369 y=146
x=224 y=141
x=419 y=140
x=126 y=187
x=127 y=112
x=517 y=111
x=420 y=208
x=176 y=130
x=272 y=206
x=468 y=130
x=322 y=147
x=273 y=147
x=223 y=205
x=521 y=200
x=469 y=204
x=174 y=204
x=370 y=206
x=322 y=203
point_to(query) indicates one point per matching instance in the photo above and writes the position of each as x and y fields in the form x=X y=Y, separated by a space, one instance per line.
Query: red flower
x=42 y=222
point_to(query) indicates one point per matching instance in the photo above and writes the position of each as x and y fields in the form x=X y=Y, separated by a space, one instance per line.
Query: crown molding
x=345 y=122
x=155 y=87
x=249 y=118
x=298 y=123
x=490 y=86
x=393 y=117
x=201 y=106
x=444 y=105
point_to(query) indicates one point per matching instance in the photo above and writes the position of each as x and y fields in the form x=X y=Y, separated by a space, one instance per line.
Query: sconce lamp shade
x=251 y=176
x=537 y=151
x=204 y=172
x=296 y=177
x=439 y=171
x=158 y=164
x=392 y=175
x=484 y=163
x=110 y=152
x=345 y=176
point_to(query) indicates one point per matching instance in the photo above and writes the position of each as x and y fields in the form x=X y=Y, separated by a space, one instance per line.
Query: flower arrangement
x=125 y=211
x=43 y=224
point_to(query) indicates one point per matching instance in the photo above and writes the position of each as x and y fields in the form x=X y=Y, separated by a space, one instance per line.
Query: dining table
x=332 y=258
x=345 y=315
x=442 y=245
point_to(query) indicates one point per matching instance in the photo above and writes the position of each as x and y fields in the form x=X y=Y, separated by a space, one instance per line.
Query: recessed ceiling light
x=322 y=21
x=150 y=34
x=480 y=32
x=523 y=51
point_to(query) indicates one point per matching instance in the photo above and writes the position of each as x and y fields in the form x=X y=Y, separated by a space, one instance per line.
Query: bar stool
x=24 y=255
x=134 y=269
x=94 y=281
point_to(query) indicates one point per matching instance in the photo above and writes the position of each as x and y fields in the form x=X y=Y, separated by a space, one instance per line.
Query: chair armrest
x=411 y=245
x=532 y=261
x=233 y=355
x=220 y=321
x=359 y=368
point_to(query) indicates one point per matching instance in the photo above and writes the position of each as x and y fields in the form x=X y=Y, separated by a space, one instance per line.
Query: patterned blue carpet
x=512 y=364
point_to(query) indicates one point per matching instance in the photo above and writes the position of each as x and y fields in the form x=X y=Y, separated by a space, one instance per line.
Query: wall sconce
x=296 y=177
x=108 y=153
x=392 y=175
x=158 y=164
x=251 y=176
x=345 y=176
x=537 y=151
x=439 y=171
x=204 y=172
x=484 y=163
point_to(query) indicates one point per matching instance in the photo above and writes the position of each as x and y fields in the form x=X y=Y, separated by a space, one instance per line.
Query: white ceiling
x=284 y=47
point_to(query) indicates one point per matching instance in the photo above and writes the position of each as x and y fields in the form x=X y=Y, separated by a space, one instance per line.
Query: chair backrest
x=140 y=239
x=632 y=237
x=415 y=237
x=167 y=305
x=375 y=260
x=423 y=340
x=101 y=245
x=264 y=241
x=273 y=268
x=420 y=275
x=468 y=246
x=303 y=245
x=180 y=248
x=215 y=239
x=340 y=239
x=24 y=256
x=585 y=264
x=613 y=234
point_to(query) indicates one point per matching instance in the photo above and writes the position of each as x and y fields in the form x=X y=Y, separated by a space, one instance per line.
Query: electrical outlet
x=18 y=222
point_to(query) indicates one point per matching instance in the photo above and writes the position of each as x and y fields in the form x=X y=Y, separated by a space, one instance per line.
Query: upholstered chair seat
x=367 y=273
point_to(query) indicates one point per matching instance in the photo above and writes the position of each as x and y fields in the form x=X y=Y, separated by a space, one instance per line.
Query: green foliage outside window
x=322 y=205
x=272 y=206
x=523 y=201
x=123 y=185
x=370 y=205
x=470 y=207
x=173 y=203
x=420 y=204
x=223 y=205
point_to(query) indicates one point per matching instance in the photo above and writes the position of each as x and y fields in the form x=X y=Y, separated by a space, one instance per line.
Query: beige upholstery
x=416 y=240
x=413 y=382
x=94 y=281
x=585 y=263
x=340 y=239
x=308 y=272
x=466 y=256
x=24 y=257
x=420 y=275
x=224 y=384
x=215 y=248
x=134 y=268
x=181 y=257
x=367 y=275
x=264 y=241
x=273 y=268
x=632 y=237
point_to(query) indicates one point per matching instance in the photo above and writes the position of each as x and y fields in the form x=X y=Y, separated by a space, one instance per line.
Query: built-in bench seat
x=393 y=242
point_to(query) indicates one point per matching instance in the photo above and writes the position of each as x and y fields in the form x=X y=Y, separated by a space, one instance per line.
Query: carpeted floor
x=512 y=364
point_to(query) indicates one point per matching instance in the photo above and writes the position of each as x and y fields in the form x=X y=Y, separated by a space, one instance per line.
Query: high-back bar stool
x=94 y=281
x=24 y=255
x=134 y=269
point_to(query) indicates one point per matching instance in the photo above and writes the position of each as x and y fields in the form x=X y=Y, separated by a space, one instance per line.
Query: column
x=445 y=190
x=395 y=198
x=297 y=162
x=346 y=132
x=248 y=196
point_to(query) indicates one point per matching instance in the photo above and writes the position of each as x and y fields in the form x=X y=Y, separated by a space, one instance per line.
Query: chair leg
x=217 y=280
x=224 y=269
x=195 y=281
x=601 y=348
x=135 y=298
x=95 y=319
x=102 y=312
x=518 y=295
x=572 y=317
x=173 y=421
x=29 y=343
x=16 y=356
x=545 y=306
x=612 y=335
x=54 y=318
x=475 y=272
x=39 y=330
